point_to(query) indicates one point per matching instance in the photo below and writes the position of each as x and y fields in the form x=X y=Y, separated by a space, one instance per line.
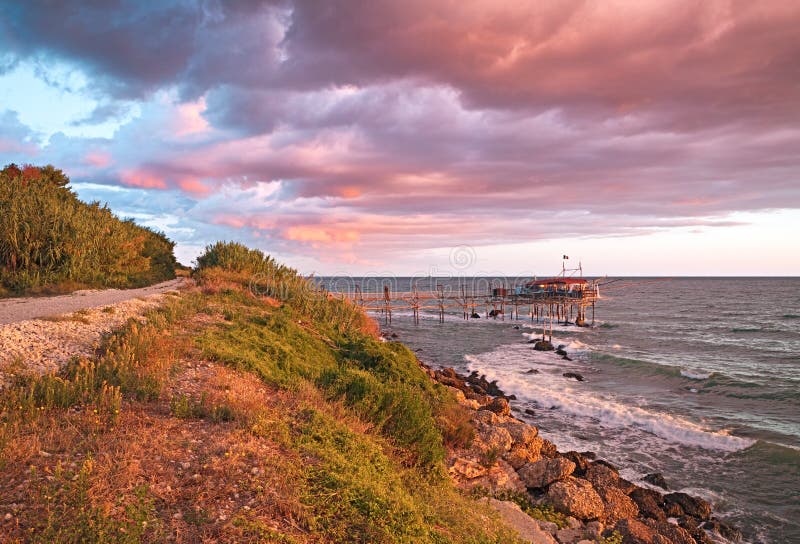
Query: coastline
x=508 y=460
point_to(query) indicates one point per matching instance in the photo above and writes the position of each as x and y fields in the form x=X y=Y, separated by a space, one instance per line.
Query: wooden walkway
x=546 y=307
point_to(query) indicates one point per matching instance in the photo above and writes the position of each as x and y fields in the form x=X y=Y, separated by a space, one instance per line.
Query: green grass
x=359 y=430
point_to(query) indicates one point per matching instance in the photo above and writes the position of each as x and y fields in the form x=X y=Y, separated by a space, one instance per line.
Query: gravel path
x=13 y=310
x=39 y=335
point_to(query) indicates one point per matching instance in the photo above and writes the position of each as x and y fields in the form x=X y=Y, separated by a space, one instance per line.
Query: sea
x=694 y=378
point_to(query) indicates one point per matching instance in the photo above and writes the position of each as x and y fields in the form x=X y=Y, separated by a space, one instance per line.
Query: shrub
x=49 y=237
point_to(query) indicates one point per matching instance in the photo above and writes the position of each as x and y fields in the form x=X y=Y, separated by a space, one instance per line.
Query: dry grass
x=288 y=463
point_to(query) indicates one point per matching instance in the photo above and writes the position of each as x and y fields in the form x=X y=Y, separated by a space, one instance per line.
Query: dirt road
x=13 y=310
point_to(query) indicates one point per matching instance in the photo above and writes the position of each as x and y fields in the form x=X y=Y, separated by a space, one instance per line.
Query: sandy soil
x=39 y=335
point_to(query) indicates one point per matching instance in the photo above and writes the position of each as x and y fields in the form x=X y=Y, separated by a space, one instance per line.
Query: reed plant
x=48 y=237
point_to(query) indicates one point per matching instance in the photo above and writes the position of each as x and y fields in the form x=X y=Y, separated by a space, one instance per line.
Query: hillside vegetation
x=252 y=408
x=51 y=240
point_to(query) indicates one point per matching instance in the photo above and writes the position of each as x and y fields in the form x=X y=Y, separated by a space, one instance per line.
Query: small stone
x=656 y=479
x=9 y=516
x=569 y=535
x=177 y=515
x=186 y=465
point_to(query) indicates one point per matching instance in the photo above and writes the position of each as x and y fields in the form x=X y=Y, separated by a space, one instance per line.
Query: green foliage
x=613 y=538
x=357 y=493
x=263 y=276
x=49 y=237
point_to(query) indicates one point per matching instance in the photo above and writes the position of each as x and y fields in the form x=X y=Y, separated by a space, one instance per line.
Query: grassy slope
x=237 y=418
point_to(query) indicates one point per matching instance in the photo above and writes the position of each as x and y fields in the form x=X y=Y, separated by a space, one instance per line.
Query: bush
x=49 y=237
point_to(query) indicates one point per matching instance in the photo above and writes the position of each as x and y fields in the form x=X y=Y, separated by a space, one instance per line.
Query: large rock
x=543 y=472
x=518 y=456
x=499 y=406
x=548 y=449
x=499 y=478
x=543 y=345
x=492 y=438
x=581 y=463
x=467 y=468
x=656 y=479
x=617 y=505
x=676 y=534
x=527 y=528
x=602 y=475
x=726 y=531
x=636 y=532
x=650 y=503
x=691 y=506
x=521 y=433
x=575 y=497
x=486 y=417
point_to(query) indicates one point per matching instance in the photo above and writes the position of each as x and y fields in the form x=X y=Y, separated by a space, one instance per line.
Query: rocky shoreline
x=508 y=459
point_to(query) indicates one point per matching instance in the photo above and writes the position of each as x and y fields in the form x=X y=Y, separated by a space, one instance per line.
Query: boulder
x=691 y=506
x=656 y=479
x=573 y=375
x=625 y=486
x=617 y=505
x=569 y=535
x=493 y=438
x=636 y=532
x=594 y=530
x=581 y=463
x=486 y=417
x=575 y=497
x=467 y=468
x=531 y=371
x=602 y=475
x=726 y=531
x=475 y=315
x=518 y=456
x=560 y=351
x=675 y=534
x=543 y=345
x=499 y=406
x=520 y=432
x=526 y=526
x=498 y=479
x=548 y=449
x=543 y=472
x=649 y=502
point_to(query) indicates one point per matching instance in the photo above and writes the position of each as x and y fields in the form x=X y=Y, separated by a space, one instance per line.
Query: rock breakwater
x=588 y=497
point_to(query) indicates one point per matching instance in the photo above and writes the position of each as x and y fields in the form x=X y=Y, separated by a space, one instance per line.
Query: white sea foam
x=695 y=374
x=550 y=390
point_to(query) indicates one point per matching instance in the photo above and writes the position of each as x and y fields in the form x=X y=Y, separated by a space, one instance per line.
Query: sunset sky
x=432 y=136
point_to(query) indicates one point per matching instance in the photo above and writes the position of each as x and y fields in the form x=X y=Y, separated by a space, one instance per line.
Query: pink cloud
x=98 y=159
x=142 y=179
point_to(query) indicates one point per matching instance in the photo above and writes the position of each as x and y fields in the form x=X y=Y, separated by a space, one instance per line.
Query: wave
x=550 y=391
x=695 y=375
x=747 y=329
x=790 y=316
